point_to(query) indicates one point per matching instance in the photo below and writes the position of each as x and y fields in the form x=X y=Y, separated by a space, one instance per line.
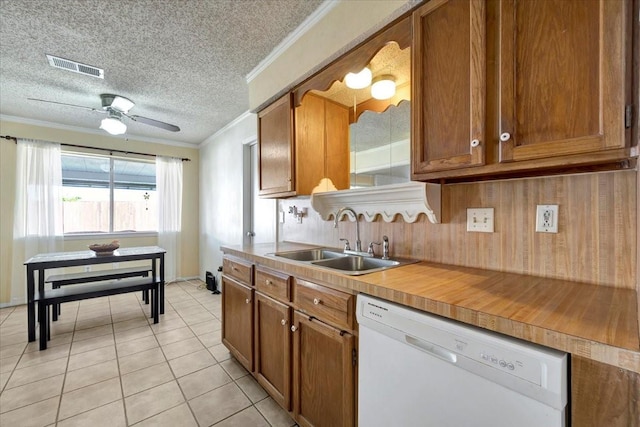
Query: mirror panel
x=380 y=146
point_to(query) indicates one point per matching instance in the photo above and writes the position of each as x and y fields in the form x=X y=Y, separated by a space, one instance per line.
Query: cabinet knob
x=293 y=328
x=247 y=301
x=475 y=143
x=283 y=322
x=316 y=301
x=505 y=136
x=234 y=268
x=268 y=282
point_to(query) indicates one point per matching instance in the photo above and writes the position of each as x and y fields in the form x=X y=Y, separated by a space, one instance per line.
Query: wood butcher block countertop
x=596 y=322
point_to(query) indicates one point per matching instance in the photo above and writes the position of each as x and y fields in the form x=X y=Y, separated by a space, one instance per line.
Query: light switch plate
x=547 y=218
x=480 y=220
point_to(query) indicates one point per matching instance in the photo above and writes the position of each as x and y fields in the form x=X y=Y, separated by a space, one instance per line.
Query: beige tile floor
x=108 y=365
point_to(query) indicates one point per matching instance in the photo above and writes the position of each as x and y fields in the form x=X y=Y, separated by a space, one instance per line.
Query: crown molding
x=226 y=127
x=285 y=44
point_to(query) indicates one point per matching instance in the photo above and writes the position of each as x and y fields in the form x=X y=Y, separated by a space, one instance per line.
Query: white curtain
x=37 y=223
x=169 y=190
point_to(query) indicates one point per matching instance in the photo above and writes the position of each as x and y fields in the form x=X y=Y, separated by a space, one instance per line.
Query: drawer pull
x=247 y=301
x=293 y=328
x=234 y=268
x=283 y=322
x=316 y=301
x=268 y=282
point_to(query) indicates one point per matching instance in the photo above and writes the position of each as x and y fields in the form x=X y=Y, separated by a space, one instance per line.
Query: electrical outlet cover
x=480 y=220
x=547 y=218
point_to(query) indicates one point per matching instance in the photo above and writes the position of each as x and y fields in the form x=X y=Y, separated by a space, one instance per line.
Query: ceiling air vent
x=76 y=67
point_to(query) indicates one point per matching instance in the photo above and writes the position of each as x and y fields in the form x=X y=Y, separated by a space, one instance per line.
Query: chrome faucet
x=385 y=247
x=338 y=214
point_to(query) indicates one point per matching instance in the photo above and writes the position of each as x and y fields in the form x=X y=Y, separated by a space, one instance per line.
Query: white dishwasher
x=417 y=369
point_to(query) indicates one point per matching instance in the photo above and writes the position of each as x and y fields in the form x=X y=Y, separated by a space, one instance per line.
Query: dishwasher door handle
x=433 y=349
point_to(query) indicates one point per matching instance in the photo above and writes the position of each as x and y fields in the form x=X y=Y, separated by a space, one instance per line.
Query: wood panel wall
x=596 y=243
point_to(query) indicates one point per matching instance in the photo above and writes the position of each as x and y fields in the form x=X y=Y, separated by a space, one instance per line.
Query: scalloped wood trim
x=408 y=200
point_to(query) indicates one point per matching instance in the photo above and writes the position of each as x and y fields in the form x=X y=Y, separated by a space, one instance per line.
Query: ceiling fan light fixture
x=122 y=104
x=358 y=80
x=383 y=87
x=113 y=125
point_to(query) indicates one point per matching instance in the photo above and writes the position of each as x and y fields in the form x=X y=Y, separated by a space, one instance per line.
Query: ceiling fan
x=116 y=106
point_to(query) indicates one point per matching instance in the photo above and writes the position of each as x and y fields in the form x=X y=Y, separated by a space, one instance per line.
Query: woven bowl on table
x=104 y=248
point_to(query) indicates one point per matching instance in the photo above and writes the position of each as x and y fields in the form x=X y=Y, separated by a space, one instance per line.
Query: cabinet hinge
x=628 y=116
x=354 y=357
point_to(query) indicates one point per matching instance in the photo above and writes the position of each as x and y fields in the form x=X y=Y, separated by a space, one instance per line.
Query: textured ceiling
x=181 y=61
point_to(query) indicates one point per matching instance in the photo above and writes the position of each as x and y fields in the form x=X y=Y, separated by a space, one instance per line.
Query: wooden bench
x=93 y=290
x=59 y=280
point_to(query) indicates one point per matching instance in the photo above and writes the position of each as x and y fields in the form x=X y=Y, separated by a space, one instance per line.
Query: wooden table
x=46 y=261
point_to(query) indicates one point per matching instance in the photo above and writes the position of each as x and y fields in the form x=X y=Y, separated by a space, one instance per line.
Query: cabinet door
x=336 y=153
x=448 y=99
x=275 y=145
x=322 y=144
x=273 y=349
x=310 y=136
x=237 y=321
x=591 y=406
x=562 y=77
x=323 y=374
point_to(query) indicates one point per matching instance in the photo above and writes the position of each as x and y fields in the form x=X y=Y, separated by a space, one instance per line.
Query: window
x=108 y=195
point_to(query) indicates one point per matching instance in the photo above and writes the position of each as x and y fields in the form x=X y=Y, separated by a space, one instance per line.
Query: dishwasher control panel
x=461 y=344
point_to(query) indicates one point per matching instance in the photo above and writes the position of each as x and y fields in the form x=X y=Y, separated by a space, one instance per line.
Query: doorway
x=259 y=222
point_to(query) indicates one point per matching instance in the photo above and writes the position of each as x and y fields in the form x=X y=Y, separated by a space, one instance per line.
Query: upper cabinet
x=562 y=78
x=520 y=87
x=483 y=88
x=300 y=147
x=321 y=144
x=311 y=137
x=275 y=149
x=449 y=86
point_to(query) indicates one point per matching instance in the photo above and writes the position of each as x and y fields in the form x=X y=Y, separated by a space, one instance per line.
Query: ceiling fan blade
x=68 y=105
x=156 y=123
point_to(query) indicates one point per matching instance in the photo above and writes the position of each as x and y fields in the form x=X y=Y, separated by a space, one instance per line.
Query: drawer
x=273 y=283
x=326 y=304
x=238 y=268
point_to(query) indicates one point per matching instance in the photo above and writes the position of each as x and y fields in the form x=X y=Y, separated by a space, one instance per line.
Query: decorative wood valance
x=356 y=59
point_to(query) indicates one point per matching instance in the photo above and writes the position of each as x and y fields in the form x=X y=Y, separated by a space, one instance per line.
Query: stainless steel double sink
x=344 y=263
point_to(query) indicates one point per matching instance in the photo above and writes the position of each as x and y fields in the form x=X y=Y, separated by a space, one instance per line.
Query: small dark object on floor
x=211 y=283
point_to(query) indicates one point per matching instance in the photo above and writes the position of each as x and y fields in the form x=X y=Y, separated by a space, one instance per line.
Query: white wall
x=221 y=190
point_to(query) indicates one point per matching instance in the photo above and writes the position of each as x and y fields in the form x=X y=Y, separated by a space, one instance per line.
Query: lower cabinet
x=603 y=395
x=273 y=348
x=296 y=338
x=323 y=373
x=237 y=321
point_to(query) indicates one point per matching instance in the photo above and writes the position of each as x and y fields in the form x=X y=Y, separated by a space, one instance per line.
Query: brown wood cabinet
x=603 y=395
x=323 y=374
x=513 y=86
x=237 y=320
x=448 y=100
x=275 y=149
x=273 y=348
x=298 y=149
x=322 y=143
x=237 y=308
